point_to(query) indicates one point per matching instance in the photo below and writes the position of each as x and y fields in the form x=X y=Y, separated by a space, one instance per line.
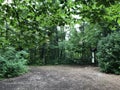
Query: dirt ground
x=62 y=78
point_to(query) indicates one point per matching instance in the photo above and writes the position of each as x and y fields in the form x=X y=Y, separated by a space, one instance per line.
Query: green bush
x=12 y=62
x=109 y=53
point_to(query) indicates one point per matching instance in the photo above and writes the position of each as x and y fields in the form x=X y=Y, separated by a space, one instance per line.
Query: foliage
x=77 y=50
x=32 y=25
x=12 y=62
x=108 y=53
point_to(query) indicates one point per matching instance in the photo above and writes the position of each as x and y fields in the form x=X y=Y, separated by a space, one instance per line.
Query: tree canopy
x=46 y=29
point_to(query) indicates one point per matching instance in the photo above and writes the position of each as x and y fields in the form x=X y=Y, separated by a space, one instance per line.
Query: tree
x=31 y=25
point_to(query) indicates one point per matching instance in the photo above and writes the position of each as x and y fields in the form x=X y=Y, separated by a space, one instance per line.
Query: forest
x=59 y=32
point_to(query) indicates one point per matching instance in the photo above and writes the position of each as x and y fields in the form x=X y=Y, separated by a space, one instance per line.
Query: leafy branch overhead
x=58 y=31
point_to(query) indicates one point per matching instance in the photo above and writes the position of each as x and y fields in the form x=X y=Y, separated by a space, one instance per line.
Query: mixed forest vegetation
x=53 y=32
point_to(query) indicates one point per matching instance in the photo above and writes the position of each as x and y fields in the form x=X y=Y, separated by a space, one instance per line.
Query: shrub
x=109 y=53
x=12 y=62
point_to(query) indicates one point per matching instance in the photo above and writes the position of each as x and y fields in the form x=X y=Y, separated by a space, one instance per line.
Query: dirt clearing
x=62 y=78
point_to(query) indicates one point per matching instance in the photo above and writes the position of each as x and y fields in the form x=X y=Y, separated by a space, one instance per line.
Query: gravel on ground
x=62 y=78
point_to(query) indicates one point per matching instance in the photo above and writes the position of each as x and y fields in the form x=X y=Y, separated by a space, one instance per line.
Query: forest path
x=62 y=78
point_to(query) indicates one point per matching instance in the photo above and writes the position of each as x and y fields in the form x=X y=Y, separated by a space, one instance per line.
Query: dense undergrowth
x=109 y=53
x=12 y=62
